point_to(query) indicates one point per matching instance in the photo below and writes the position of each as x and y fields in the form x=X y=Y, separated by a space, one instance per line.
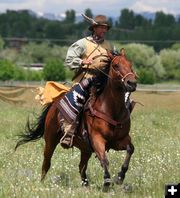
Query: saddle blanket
x=72 y=102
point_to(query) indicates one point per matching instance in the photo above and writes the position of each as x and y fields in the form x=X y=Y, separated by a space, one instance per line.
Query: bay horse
x=107 y=122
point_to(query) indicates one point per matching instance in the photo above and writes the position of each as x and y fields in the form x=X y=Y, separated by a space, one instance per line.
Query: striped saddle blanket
x=73 y=101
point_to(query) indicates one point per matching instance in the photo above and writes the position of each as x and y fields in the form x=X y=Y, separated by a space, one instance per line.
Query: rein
x=118 y=73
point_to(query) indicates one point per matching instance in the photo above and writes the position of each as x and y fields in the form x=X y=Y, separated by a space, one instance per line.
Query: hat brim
x=91 y=27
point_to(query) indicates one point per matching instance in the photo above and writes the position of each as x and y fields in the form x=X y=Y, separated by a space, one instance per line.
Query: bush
x=175 y=46
x=144 y=56
x=170 y=59
x=146 y=76
x=54 y=70
x=1 y=43
x=19 y=74
x=7 y=70
x=69 y=74
x=32 y=75
x=40 y=53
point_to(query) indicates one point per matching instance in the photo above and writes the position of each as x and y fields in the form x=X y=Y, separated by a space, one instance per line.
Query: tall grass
x=156 y=161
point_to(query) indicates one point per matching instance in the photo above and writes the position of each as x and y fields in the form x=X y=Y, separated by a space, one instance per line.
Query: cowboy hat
x=99 y=20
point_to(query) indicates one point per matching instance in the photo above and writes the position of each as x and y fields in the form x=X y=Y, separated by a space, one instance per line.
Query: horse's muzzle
x=130 y=86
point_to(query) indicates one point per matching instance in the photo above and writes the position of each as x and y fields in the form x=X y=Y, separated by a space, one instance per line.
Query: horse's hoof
x=118 y=181
x=106 y=186
x=85 y=183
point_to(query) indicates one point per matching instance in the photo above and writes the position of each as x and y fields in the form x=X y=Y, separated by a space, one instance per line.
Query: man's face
x=100 y=31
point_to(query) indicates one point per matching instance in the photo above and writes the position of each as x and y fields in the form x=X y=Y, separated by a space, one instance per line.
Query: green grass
x=156 y=161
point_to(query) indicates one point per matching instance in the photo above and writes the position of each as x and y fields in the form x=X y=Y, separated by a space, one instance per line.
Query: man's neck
x=97 y=39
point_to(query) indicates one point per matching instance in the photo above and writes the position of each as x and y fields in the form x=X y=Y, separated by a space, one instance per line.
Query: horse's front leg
x=98 y=144
x=85 y=156
x=124 y=167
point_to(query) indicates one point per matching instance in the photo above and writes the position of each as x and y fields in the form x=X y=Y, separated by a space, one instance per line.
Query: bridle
x=117 y=72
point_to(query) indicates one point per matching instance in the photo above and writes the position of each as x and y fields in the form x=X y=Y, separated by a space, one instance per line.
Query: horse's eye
x=116 y=67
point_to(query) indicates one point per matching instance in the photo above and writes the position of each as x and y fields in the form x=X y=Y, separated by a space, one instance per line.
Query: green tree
x=70 y=16
x=126 y=19
x=54 y=29
x=140 y=21
x=88 y=13
x=162 y=19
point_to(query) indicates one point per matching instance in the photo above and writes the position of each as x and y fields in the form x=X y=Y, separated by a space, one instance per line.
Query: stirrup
x=67 y=141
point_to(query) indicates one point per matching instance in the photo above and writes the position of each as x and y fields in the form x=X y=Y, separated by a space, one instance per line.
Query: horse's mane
x=101 y=78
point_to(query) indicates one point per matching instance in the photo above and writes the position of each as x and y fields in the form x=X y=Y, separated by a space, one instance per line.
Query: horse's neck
x=112 y=100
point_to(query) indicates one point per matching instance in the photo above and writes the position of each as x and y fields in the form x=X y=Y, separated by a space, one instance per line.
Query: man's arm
x=73 y=58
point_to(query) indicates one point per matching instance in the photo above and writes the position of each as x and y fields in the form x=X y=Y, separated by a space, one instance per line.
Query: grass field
x=155 y=133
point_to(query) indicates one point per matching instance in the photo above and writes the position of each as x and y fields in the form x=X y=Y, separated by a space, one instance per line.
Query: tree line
x=165 y=28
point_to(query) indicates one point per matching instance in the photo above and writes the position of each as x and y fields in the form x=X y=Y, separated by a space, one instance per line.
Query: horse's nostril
x=131 y=83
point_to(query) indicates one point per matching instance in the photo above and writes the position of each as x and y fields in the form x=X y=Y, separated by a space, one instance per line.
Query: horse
x=107 y=121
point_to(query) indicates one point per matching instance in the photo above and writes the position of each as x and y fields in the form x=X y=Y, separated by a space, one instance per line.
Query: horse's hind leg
x=124 y=167
x=51 y=141
x=85 y=156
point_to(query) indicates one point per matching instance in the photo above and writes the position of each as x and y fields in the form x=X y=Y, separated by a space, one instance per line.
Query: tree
x=140 y=21
x=126 y=19
x=88 y=13
x=162 y=19
x=70 y=16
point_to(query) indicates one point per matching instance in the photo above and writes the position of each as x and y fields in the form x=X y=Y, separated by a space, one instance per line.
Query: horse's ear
x=123 y=52
x=110 y=54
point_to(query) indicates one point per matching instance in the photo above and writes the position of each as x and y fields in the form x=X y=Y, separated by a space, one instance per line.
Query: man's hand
x=86 y=63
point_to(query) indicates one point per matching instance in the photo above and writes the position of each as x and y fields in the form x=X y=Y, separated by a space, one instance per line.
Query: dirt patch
x=154 y=100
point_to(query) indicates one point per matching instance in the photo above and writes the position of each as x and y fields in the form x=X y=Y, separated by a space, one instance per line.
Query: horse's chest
x=121 y=130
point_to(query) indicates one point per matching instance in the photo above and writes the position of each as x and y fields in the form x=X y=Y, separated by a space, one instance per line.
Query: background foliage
x=128 y=26
x=151 y=66
x=153 y=61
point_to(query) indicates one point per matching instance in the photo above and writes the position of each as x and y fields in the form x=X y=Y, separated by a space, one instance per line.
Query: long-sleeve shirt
x=85 y=48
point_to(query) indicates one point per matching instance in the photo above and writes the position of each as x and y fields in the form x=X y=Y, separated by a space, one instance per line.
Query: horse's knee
x=130 y=149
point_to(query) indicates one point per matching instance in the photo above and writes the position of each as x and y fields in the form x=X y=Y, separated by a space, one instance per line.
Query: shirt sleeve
x=73 y=58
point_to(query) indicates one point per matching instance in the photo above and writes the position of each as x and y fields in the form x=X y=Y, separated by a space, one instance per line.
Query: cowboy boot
x=69 y=131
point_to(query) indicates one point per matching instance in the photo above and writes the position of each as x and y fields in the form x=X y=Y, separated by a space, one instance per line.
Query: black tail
x=34 y=131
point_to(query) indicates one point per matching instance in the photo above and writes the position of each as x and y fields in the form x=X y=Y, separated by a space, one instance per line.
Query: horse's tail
x=34 y=131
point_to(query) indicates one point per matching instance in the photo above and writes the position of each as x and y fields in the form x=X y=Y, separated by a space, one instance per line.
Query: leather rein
x=117 y=72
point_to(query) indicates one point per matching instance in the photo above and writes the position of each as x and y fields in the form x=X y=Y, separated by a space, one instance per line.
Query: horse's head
x=122 y=72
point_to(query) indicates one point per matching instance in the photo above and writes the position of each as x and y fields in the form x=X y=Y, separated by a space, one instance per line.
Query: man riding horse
x=85 y=56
